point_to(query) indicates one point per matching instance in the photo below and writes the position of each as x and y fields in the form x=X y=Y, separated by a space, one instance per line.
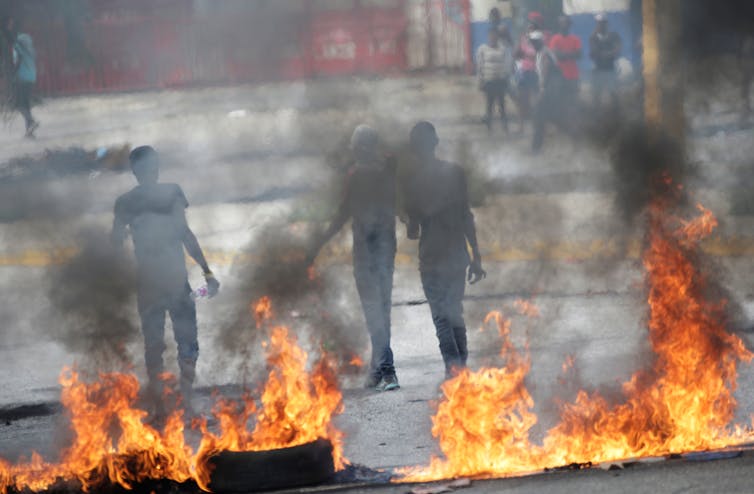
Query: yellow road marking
x=558 y=251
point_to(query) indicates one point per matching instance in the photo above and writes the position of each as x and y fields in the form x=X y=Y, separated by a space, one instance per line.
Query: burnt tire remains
x=252 y=471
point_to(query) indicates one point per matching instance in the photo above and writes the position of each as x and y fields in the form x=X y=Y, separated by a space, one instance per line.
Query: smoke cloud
x=93 y=298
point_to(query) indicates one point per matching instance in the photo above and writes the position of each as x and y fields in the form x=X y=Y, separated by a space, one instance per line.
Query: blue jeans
x=182 y=310
x=373 y=266
x=444 y=290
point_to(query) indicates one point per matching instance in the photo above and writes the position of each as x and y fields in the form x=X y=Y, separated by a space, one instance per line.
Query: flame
x=296 y=408
x=113 y=446
x=683 y=402
x=526 y=308
x=568 y=363
x=97 y=456
x=262 y=311
x=356 y=361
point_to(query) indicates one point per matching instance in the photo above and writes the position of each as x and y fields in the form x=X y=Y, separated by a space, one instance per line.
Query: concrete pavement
x=557 y=242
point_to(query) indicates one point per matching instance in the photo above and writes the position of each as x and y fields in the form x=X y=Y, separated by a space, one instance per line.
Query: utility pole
x=663 y=67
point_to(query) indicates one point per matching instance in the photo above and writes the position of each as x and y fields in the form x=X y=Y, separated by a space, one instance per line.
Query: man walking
x=495 y=64
x=440 y=216
x=604 y=50
x=369 y=201
x=154 y=214
x=24 y=75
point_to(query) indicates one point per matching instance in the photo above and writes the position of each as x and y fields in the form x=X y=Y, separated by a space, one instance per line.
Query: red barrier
x=129 y=52
x=359 y=41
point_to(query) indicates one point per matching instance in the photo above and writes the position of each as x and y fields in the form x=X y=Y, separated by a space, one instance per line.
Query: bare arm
x=120 y=226
x=469 y=227
x=568 y=55
x=118 y=235
x=336 y=224
x=476 y=273
x=193 y=248
x=338 y=221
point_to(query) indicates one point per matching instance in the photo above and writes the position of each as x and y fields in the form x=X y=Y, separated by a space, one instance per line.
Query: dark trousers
x=444 y=291
x=23 y=101
x=494 y=92
x=373 y=266
x=550 y=108
x=182 y=310
x=527 y=86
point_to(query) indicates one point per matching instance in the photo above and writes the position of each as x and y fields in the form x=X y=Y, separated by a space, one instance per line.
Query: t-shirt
x=155 y=217
x=570 y=44
x=25 y=57
x=602 y=48
x=494 y=62
x=527 y=53
x=370 y=199
x=437 y=199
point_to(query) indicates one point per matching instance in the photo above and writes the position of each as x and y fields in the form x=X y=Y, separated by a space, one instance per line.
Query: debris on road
x=57 y=163
x=441 y=488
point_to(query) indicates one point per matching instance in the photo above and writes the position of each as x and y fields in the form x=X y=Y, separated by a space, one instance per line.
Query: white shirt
x=494 y=62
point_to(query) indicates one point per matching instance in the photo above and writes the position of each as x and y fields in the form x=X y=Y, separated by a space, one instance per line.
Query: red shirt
x=569 y=44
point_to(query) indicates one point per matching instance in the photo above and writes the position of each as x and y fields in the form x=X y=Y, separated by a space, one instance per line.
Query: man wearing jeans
x=369 y=201
x=154 y=214
x=440 y=216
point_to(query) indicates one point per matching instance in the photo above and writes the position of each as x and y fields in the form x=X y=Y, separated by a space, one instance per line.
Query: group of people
x=541 y=71
x=437 y=213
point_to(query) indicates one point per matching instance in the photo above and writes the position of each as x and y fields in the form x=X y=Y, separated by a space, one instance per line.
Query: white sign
x=571 y=7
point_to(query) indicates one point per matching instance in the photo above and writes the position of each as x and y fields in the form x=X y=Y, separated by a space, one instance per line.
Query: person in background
x=24 y=73
x=549 y=106
x=527 y=71
x=567 y=48
x=494 y=62
x=604 y=49
x=154 y=214
x=495 y=19
x=439 y=215
x=369 y=201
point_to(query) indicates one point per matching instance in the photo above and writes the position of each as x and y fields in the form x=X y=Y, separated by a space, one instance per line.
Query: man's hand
x=476 y=273
x=213 y=286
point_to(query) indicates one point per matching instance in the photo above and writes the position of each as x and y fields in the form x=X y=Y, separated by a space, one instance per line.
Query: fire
x=356 y=361
x=526 y=308
x=97 y=455
x=262 y=311
x=114 y=446
x=683 y=402
x=296 y=408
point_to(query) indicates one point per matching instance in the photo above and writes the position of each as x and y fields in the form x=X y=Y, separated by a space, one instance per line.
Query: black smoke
x=92 y=297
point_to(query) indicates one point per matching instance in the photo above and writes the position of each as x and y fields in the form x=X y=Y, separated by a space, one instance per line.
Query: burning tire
x=251 y=471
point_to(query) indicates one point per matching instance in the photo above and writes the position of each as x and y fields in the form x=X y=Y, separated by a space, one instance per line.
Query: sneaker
x=388 y=383
x=372 y=381
x=32 y=128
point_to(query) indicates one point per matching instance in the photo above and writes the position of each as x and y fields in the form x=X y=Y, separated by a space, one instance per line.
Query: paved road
x=556 y=241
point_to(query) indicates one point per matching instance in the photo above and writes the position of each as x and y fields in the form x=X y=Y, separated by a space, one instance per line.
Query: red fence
x=136 y=48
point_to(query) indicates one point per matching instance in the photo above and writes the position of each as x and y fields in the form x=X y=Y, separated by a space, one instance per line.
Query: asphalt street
x=251 y=157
